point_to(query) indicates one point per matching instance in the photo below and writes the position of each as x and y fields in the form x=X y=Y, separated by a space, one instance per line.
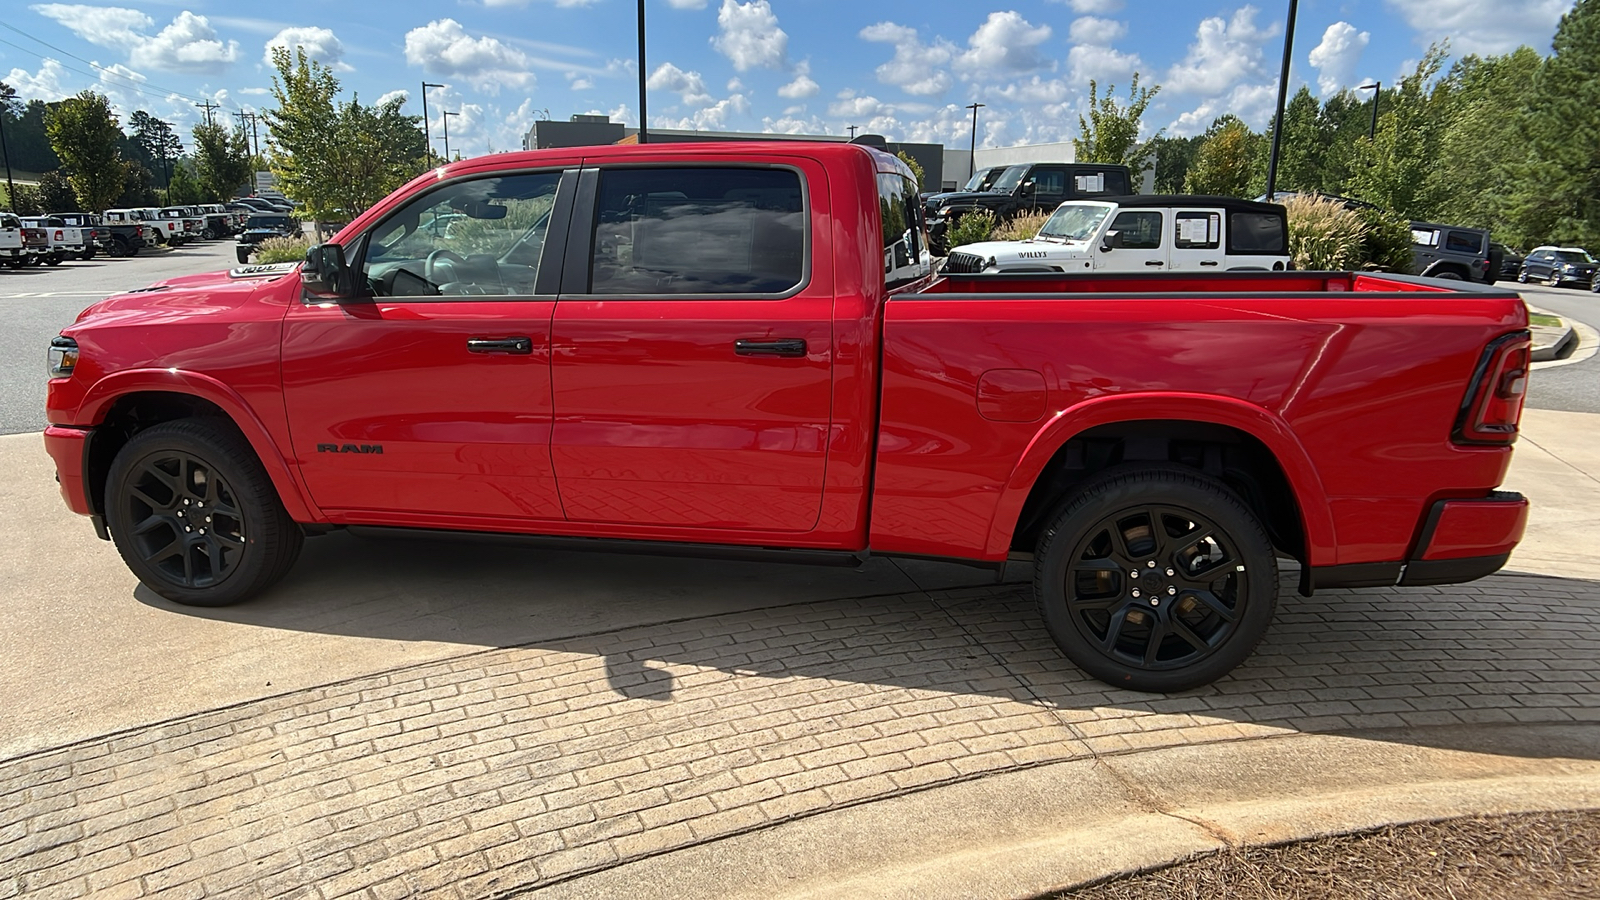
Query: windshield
x=1574 y=256
x=266 y=221
x=1009 y=179
x=983 y=179
x=1075 y=221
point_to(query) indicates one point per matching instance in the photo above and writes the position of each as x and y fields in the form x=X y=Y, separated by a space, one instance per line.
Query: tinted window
x=1197 y=231
x=1049 y=182
x=1573 y=256
x=1139 y=230
x=699 y=231
x=468 y=239
x=1463 y=242
x=903 y=259
x=1250 y=232
x=266 y=222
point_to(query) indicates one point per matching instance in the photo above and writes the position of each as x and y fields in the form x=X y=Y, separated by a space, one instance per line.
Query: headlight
x=63 y=356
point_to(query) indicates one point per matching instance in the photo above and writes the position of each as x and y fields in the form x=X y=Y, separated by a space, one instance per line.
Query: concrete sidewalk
x=484 y=723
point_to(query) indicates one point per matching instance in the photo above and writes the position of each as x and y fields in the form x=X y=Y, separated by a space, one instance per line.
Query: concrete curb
x=1551 y=343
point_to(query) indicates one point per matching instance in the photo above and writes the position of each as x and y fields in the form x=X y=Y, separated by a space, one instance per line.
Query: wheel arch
x=124 y=404
x=1269 y=466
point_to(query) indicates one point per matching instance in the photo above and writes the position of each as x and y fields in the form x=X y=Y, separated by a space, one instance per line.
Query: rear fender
x=105 y=392
x=1261 y=424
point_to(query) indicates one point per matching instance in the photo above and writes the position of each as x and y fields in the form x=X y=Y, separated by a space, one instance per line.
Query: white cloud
x=44 y=84
x=187 y=44
x=709 y=118
x=575 y=82
x=749 y=36
x=442 y=47
x=1254 y=103
x=1102 y=64
x=1337 y=56
x=1484 y=26
x=689 y=86
x=916 y=68
x=802 y=86
x=561 y=3
x=320 y=44
x=400 y=94
x=687 y=4
x=1005 y=42
x=1224 y=53
x=1099 y=32
x=1101 y=7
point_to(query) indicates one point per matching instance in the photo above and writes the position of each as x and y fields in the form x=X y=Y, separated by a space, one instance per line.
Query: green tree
x=83 y=132
x=916 y=167
x=157 y=143
x=25 y=139
x=222 y=160
x=1173 y=158
x=1303 y=147
x=55 y=193
x=1392 y=171
x=185 y=188
x=1556 y=189
x=1482 y=146
x=1225 y=164
x=136 y=187
x=1111 y=133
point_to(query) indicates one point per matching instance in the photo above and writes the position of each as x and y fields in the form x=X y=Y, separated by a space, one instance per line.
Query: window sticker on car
x=1091 y=184
x=1199 y=230
x=1424 y=237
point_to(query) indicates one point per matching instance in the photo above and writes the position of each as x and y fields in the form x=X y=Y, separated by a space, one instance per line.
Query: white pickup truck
x=11 y=251
x=66 y=241
x=1147 y=233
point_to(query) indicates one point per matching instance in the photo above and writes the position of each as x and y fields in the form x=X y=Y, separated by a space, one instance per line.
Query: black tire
x=87 y=254
x=1522 y=276
x=156 y=494
x=1594 y=284
x=244 y=255
x=1212 y=609
x=54 y=259
x=1449 y=276
x=1555 y=278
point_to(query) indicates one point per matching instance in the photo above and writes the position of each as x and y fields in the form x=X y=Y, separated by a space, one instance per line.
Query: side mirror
x=325 y=274
x=1111 y=241
x=1029 y=188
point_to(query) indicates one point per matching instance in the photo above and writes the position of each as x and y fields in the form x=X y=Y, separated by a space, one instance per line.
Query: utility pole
x=11 y=187
x=1377 y=91
x=972 y=158
x=208 y=106
x=853 y=131
x=447 y=115
x=427 y=129
x=644 y=115
x=1283 y=96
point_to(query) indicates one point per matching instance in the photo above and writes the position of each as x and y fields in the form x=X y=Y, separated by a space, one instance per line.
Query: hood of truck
x=1030 y=250
x=209 y=293
x=964 y=198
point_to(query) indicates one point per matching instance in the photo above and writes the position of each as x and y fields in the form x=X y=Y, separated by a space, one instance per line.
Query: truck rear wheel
x=1156 y=578
x=194 y=515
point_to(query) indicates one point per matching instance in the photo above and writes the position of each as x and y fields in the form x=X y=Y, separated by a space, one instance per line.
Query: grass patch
x=1542 y=319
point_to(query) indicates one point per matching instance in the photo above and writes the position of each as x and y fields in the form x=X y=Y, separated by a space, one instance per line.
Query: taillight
x=1493 y=404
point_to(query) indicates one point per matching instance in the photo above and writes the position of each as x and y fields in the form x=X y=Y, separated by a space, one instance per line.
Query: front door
x=1140 y=247
x=692 y=366
x=431 y=396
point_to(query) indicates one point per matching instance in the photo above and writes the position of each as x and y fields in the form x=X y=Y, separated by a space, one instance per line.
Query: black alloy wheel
x=1156 y=578
x=1555 y=277
x=195 y=516
x=1522 y=275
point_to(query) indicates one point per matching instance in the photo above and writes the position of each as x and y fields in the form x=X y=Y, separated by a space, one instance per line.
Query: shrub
x=1387 y=246
x=281 y=250
x=973 y=227
x=1022 y=227
x=1324 y=236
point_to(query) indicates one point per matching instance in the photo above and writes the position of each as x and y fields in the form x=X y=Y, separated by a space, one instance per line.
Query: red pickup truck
x=743 y=349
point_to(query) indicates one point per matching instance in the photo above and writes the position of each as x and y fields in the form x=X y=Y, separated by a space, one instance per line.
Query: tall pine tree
x=1556 y=196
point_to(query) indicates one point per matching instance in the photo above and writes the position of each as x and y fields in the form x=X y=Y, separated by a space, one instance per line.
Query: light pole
x=1283 y=96
x=447 y=114
x=427 y=129
x=1377 y=91
x=11 y=187
x=644 y=115
x=972 y=155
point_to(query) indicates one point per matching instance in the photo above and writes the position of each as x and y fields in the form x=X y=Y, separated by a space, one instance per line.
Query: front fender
x=1253 y=420
x=99 y=398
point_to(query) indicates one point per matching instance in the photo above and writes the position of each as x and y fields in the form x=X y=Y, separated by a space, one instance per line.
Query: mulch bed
x=1535 y=856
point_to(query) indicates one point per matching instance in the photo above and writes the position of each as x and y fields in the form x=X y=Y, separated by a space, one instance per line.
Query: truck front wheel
x=1156 y=578
x=194 y=515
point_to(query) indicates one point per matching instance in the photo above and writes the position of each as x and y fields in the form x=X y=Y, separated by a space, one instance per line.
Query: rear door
x=1196 y=240
x=693 y=347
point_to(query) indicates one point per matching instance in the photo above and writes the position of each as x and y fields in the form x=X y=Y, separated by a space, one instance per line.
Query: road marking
x=26 y=295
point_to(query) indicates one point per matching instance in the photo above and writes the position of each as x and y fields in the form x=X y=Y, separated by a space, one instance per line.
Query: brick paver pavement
x=495 y=772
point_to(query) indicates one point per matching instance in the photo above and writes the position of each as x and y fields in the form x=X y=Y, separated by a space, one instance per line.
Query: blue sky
x=901 y=69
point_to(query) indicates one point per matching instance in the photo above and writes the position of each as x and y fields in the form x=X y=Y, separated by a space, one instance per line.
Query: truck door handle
x=1152 y=262
x=518 y=345
x=785 y=347
x=1208 y=262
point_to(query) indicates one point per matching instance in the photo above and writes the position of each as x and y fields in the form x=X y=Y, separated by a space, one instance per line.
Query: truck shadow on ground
x=661 y=640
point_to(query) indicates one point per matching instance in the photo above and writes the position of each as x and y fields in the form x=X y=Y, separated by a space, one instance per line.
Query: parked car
x=36 y=247
x=128 y=233
x=1452 y=252
x=1138 y=234
x=66 y=241
x=12 y=252
x=96 y=237
x=1150 y=444
x=218 y=221
x=1510 y=260
x=1557 y=266
x=262 y=227
x=1025 y=188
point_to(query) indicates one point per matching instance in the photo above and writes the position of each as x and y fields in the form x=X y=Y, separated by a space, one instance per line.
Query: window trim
x=1161 y=228
x=579 y=268
x=552 y=252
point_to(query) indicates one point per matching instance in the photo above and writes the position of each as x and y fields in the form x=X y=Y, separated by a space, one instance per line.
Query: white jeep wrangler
x=1147 y=233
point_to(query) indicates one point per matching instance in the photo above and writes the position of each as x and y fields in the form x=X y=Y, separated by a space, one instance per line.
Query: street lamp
x=427 y=130
x=972 y=154
x=447 y=115
x=1283 y=96
x=1377 y=88
x=644 y=115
